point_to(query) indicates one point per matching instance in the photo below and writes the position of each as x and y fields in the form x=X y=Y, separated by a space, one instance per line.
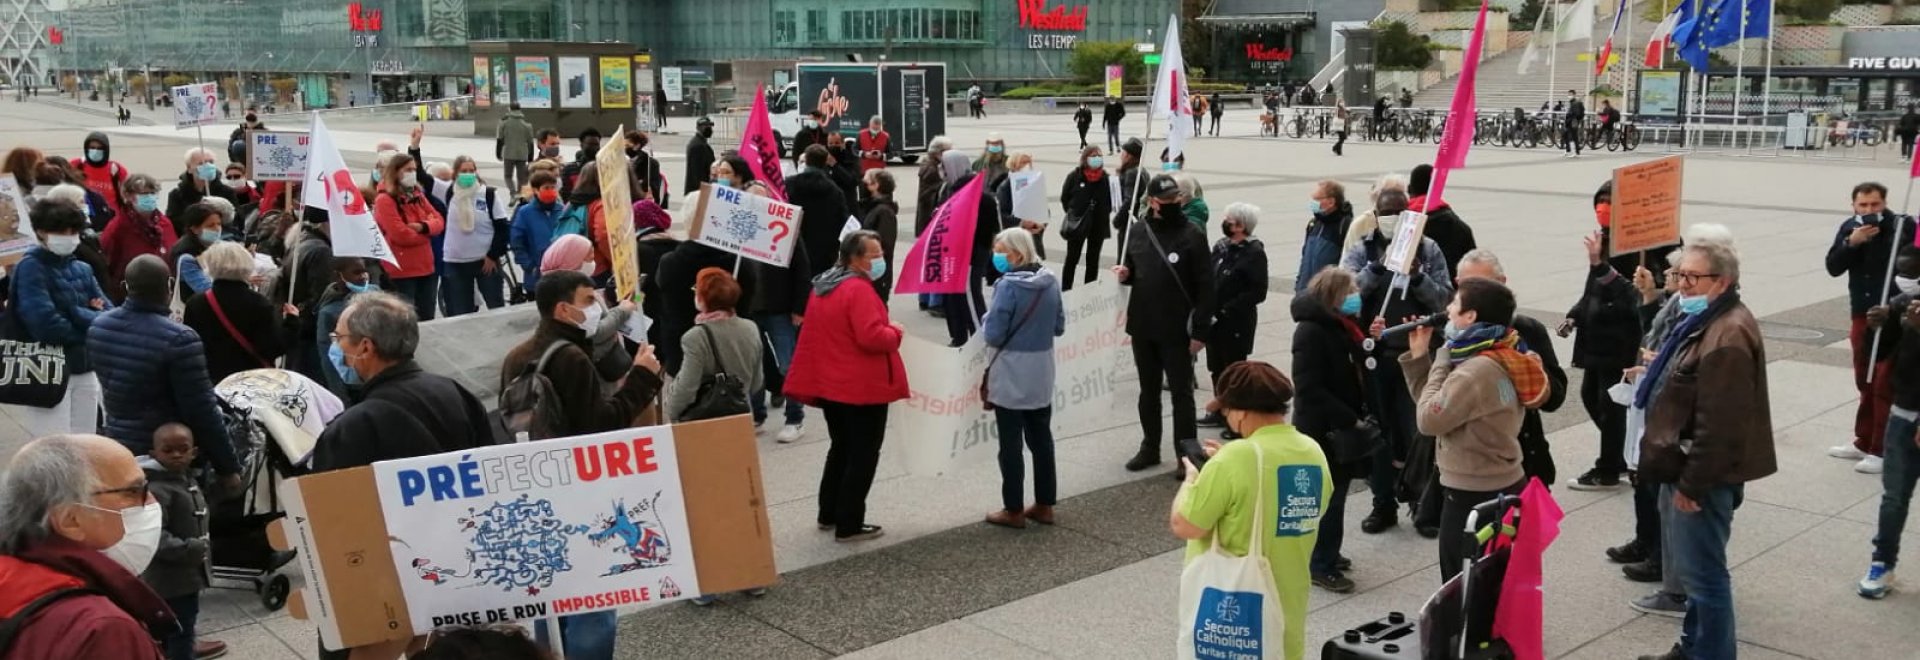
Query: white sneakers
x=788 y=434
x=1867 y=463
x=1878 y=582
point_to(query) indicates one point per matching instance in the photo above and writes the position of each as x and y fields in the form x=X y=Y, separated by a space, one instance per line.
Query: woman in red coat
x=848 y=364
x=409 y=223
x=140 y=228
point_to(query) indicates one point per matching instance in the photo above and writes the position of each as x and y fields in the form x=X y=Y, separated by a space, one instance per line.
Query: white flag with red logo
x=330 y=186
x=1170 y=92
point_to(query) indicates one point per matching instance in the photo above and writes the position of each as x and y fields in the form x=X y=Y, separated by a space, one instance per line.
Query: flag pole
x=1553 y=59
x=1626 y=72
x=1585 y=93
x=1740 y=67
x=1886 y=286
x=1766 y=85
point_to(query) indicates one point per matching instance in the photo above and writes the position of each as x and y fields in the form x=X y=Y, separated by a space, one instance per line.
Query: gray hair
x=46 y=473
x=1485 y=257
x=940 y=144
x=876 y=120
x=227 y=260
x=387 y=321
x=1019 y=242
x=437 y=168
x=1246 y=214
x=382 y=157
x=1387 y=182
x=67 y=192
x=1721 y=258
x=1706 y=233
x=196 y=152
x=1189 y=186
x=221 y=206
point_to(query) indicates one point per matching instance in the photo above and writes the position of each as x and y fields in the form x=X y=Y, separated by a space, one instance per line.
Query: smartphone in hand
x=1191 y=449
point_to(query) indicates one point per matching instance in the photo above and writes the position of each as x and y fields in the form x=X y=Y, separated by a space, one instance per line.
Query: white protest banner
x=1406 y=242
x=950 y=426
x=755 y=227
x=536 y=529
x=277 y=155
x=331 y=187
x=197 y=104
x=1030 y=195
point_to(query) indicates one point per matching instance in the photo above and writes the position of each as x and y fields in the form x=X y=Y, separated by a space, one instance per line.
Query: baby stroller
x=267 y=412
x=1457 y=622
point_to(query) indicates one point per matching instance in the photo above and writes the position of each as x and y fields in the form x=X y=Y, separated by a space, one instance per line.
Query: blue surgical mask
x=1693 y=304
x=374 y=176
x=723 y=182
x=995 y=148
x=1169 y=167
x=146 y=202
x=339 y=360
x=96 y=156
x=1313 y=207
x=207 y=171
x=210 y=236
x=878 y=269
x=361 y=288
x=1453 y=331
x=1096 y=161
x=1000 y=262
x=1350 y=305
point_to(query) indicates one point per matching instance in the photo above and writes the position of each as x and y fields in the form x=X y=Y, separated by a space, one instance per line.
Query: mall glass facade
x=337 y=49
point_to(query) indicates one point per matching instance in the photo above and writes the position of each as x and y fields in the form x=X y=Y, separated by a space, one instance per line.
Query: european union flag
x=1728 y=23
x=1688 y=36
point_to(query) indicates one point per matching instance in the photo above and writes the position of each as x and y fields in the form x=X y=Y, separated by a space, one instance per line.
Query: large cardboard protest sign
x=16 y=223
x=755 y=227
x=951 y=428
x=197 y=104
x=277 y=155
x=529 y=530
x=616 y=199
x=1646 y=205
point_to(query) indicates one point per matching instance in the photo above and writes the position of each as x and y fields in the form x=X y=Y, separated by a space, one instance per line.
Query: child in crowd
x=180 y=567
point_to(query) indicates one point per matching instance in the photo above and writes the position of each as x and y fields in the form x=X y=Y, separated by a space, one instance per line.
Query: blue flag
x=1688 y=41
x=1759 y=19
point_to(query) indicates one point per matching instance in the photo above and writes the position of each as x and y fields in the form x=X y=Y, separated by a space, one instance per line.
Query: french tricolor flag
x=1606 y=51
x=1662 y=36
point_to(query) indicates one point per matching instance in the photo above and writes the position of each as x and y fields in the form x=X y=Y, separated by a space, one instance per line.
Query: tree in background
x=1090 y=59
x=1396 y=47
x=1522 y=21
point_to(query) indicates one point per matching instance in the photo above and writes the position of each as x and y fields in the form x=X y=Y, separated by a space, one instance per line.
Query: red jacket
x=129 y=235
x=412 y=249
x=849 y=351
x=871 y=142
x=120 y=621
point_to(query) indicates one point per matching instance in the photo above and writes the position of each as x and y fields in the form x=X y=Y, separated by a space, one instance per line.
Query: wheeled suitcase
x=1393 y=638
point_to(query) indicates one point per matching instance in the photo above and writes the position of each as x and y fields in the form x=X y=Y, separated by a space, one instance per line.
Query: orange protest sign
x=1646 y=205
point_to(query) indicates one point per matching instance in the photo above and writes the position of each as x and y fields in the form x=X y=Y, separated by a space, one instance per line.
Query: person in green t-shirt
x=1254 y=398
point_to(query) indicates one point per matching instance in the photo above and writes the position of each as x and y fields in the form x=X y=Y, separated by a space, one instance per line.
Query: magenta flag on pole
x=940 y=259
x=761 y=150
x=1520 y=616
x=1458 y=137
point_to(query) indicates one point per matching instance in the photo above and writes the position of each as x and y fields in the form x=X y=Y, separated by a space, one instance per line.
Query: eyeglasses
x=1689 y=279
x=337 y=336
x=137 y=491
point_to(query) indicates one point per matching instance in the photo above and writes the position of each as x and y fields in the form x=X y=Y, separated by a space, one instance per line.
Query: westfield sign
x=362 y=20
x=1034 y=14
x=1260 y=53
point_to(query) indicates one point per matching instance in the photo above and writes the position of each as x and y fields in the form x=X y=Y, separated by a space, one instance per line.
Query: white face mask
x=1389 y=223
x=135 y=549
x=591 y=324
x=1907 y=284
x=586 y=268
x=63 y=245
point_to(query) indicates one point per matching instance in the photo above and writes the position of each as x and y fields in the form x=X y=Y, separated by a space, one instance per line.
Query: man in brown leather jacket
x=1709 y=432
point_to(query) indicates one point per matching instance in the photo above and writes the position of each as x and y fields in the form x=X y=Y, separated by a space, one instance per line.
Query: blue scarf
x=1657 y=372
x=1479 y=337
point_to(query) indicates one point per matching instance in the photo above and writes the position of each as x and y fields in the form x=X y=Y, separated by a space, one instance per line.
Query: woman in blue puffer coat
x=53 y=300
x=1025 y=316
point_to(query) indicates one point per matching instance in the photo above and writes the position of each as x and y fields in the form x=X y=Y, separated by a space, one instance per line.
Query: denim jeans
x=463 y=278
x=1326 y=547
x=781 y=335
x=1700 y=542
x=1897 y=475
x=1034 y=428
x=583 y=636
x=186 y=610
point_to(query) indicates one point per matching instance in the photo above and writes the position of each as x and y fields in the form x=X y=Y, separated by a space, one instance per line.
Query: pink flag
x=759 y=147
x=940 y=259
x=1915 y=174
x=1520 y=618
x=1458 y=137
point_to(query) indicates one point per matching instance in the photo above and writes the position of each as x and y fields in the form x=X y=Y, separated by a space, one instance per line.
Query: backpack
x=529 y=404
x=721 y=394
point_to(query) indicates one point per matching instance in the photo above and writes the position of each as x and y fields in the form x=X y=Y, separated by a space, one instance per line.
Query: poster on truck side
x=529 y=530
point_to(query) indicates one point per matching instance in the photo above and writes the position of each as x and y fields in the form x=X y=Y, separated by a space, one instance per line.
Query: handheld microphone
x=1432 y=321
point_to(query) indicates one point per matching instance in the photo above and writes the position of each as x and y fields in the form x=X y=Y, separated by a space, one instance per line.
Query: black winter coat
x=824 y=210
x=1171 y=297
x=1866 y=265
x=1131 y=179
x=188 y=193
x=256 y=317
x=927 y=198
x=1114 y=113
x=1092 y=200
x=1328 y=371
x=1451 y=233
x=405 y=412
x=1535 y=456
x=1239 y=286
x=882 y=216
x=699 y=163
x=677 y=272
x=179 y=566
x=986 y=225
x=1607 y=317
x=153 y=371
x=1905 y=349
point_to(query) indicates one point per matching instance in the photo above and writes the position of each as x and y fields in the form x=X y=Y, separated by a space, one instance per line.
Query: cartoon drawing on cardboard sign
x=644 y=542
x=517 y=545
x=741 y=225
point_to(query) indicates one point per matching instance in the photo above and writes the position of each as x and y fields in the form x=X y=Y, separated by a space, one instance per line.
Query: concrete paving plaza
x=1103 y=583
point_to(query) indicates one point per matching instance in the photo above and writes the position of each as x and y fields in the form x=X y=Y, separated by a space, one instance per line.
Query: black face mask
x=633 y=152
x=590 y=146
x=706 y=132
x=1170 y=212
